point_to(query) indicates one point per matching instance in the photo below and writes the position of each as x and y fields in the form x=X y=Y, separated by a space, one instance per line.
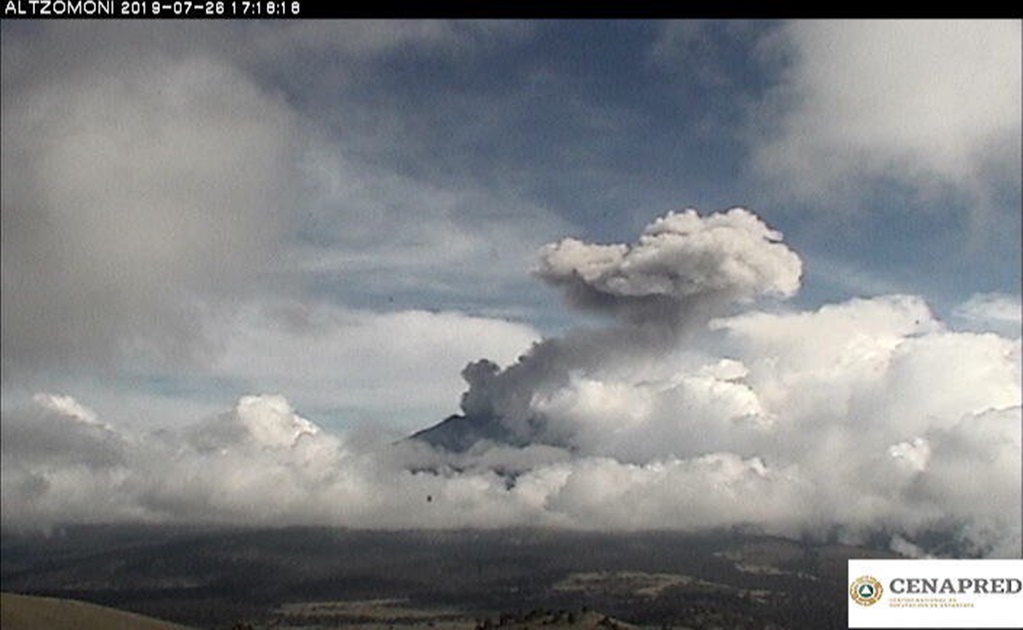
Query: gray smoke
x=684 y=265
x=684 y=269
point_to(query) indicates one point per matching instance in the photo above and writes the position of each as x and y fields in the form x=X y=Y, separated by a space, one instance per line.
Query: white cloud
x=993 y=312
x=924 y=102
x=833 y=462
x=155 y=178
x=133 y=197
x=67 y=406
x=264 y=421
x=400 y=368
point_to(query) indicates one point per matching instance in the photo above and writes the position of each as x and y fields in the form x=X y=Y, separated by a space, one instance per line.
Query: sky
x=272 y=249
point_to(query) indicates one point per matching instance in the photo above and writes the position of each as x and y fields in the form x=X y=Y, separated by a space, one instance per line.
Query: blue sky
x=346 y=213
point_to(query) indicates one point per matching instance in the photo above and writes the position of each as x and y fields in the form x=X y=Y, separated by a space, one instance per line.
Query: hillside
x=24 y=612
x=307 y=577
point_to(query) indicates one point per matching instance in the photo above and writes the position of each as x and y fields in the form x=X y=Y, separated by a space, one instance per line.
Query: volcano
x=458 y=433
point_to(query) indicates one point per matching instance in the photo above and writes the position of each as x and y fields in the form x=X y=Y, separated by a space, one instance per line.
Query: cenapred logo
x=934 y=593
x=865 y=590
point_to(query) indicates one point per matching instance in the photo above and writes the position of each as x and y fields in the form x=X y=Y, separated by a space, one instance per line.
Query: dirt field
x=23 y=612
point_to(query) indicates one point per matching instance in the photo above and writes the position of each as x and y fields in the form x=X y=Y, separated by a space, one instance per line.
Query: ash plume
x=683 y=266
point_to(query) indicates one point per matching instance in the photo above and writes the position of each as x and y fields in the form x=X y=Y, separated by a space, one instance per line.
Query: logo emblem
x=865 y=590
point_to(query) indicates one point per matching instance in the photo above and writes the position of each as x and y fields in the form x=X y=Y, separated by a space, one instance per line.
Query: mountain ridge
x=458 y=433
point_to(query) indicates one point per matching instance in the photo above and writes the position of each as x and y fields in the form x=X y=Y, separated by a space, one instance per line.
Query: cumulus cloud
x=267 y=421
x=864 y=417
x=683 y=263
x=921 y=102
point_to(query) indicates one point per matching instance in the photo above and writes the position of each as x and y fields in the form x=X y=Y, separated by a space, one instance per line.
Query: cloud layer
x=857 y=419
x=393 y=367
x=134 y=195
x=156 y=178
x=924 y=102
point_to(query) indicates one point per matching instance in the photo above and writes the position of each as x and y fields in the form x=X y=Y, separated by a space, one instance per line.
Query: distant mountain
x=25 y=612
x=458 y=434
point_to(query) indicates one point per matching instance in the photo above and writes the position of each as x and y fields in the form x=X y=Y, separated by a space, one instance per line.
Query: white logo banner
x=935 y=593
